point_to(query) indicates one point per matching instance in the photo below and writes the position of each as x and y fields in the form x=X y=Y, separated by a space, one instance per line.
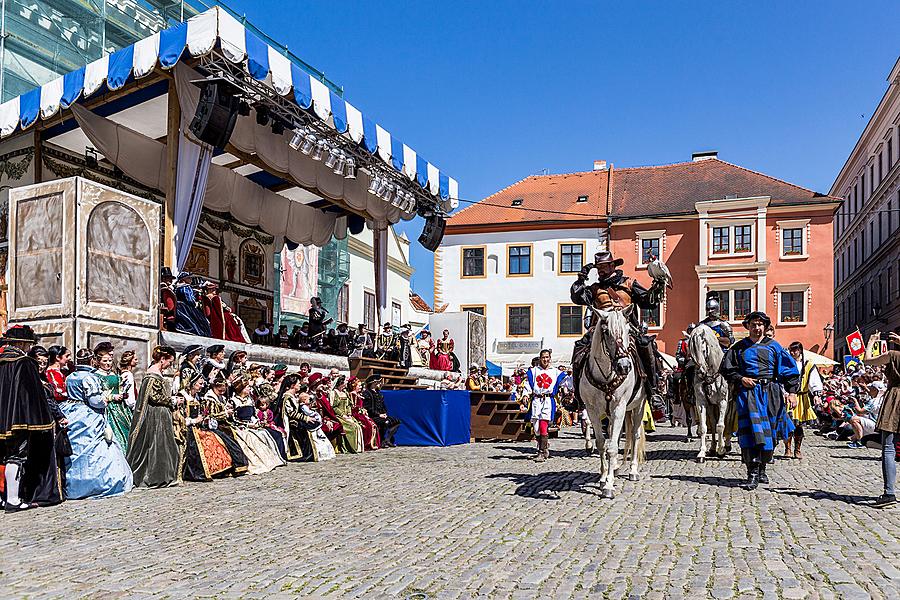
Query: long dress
x=188 y=316
x=266 y=418
x=353 y=431
x=305 y=439
x=212 y=308
x=332 y=427
x=258 y=446
x=154 y=449
x=128 y=388
x=208 y=452
x=440 y=359
x=762 y=416
x=810 y=382
x=97 y=467
x=118 y=414
x=371 y=439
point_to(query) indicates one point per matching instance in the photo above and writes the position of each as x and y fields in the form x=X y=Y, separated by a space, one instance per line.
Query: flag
x=856 y=344
x=851 y=363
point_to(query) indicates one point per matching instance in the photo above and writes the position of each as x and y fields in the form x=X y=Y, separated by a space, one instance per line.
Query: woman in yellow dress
x=343 y=408
x=802 y=412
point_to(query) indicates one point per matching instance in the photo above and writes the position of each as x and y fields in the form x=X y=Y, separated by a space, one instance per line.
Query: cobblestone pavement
x=479 y=520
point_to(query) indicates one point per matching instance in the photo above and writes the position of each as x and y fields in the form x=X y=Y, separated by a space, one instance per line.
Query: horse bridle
x=611 y=382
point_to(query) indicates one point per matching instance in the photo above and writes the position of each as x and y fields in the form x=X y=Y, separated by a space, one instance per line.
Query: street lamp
x=829 y=330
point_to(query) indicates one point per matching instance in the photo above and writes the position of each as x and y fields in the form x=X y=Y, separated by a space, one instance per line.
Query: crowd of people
x=87 y=429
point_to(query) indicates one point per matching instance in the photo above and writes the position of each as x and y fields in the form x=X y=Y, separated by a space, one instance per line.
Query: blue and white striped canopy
x=199 y=37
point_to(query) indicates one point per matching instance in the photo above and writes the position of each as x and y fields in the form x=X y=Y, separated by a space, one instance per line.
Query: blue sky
x=492 y=92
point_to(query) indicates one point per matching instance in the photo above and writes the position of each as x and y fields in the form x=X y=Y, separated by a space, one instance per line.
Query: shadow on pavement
x=857 y=457
x=527 y=451
x=823 y=495
x=547 y=486
x=704 y=479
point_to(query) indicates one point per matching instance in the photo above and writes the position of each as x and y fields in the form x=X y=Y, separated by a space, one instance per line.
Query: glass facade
x=43 y=40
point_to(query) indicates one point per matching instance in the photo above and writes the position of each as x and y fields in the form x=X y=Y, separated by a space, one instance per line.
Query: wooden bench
x=394 y=376
x=495 y=416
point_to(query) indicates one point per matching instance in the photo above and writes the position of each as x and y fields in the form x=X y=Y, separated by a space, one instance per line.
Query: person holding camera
x=888 y=418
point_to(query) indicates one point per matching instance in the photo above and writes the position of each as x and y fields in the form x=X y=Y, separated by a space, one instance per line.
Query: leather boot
x=752 y=476
x=787 y=448
x=797 y=443
x=765 y=458
x=545 y=449
x=540 y=455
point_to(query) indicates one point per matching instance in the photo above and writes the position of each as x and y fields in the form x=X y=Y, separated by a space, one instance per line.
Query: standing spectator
x=57 y=367
x=889 y=420
x=118 y=414
x=127 y=364
x=802 y=413
x=262 y=334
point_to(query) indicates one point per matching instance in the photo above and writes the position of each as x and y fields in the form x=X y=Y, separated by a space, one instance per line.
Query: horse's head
x=613 y=337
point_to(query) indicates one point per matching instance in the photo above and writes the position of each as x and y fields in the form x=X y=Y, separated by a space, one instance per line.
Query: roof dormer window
x=582 y=198
x=517 y=202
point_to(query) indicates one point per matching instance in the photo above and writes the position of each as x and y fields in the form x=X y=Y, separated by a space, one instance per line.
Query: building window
x=721 y=244
x=792 y=242
x=792 y=307
x=652 y=316
x=862 y=186
x=571 y=257
x=872 y=183
x=725 y=305
x=649 y=250
x=343 y=304
x=519 y=260
x=890 y=151
x=742 y=304
x=369 y=310
x=396 y=314
x=518 y=320
x=880 y=168
x=473 y=262
x=742 y=238
x=570 y=320
x=582 y=198
x=478 y=309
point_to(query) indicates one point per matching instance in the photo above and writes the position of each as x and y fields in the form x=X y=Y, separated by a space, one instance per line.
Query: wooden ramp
x=395 y=377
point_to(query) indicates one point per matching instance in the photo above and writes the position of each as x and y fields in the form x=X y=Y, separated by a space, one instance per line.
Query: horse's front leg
x=720 y=425
x=637 y=432
x=616 y=414
x=586 y=432
x=701 y=430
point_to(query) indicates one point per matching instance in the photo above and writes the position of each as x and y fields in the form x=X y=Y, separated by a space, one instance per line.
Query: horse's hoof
x=607 y=494
x=634 y=477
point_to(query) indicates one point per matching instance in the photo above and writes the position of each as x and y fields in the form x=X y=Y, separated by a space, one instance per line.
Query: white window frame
x=729 y=288
x=792 y=287
x=731 y=224
x=640 y=236
x=780 y=226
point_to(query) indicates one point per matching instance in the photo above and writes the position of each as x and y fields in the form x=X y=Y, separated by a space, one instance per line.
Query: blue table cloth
x=430 y=417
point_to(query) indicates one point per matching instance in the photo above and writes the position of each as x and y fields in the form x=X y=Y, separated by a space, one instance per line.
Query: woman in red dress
x=371 y=439
x=57 y=363
x=440 y=359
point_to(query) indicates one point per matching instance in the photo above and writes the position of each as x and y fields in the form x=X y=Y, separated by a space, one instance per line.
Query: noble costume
x=118 y=414
x=305 y=439
x=189 y=318
x=543 y=385
x=208 y=452
x=440 y=359
x=343 y=410
x=155 y=448
x=371 y=439
x=810 y=384
x=373 y=402
x=761 y=412
x=27 y=429
x=259 y=447
x=97 y=466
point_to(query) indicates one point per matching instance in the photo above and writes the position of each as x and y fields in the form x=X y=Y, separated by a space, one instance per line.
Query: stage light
x=277 y=127
x=296 y=140
x=262 y=115
x=350 y=168
x=332 y=158
x=319 y=152
x=339 y=164
x=244 y=108
x=308 y=144
x=373 y=185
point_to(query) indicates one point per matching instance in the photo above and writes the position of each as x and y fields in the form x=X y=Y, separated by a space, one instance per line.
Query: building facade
x=758 y=242
x=866 y=240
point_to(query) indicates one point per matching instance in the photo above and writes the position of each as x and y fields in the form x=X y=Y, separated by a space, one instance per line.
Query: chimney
x=600 y=165
x=705 y=155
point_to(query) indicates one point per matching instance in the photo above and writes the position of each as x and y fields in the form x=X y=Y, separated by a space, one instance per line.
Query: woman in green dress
x=118 y=413
x=343 y=408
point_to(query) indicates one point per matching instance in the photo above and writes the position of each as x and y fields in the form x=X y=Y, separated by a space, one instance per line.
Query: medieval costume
x=714 y=320
x=212 y=308
x=189 y=317
x=118 y=414
x=363 y=345
x=214 y=365
x=155 y=445
x=343 y=410
x=234 y=326
x=331 y=425
x=262 y=334
x=208 y=452
x=371 y=439
x=440 y=360
x=317 y=314
x=762 y=416
x=168 y=302
x=258 y=446
x=404 y=347
x=189 y=365
x=542 y=385
x=341 y=340
x=97 y=466
x=373 y=402
x=306 y=440
x=386 y=344
x=27 y=427
x=802 y=413
x=473 y=381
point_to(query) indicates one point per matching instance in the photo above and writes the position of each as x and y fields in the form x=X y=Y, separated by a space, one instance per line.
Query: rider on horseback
x=714 y=320
x=614 y=290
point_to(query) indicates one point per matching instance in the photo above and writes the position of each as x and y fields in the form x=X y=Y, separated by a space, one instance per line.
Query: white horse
x=710 y=388
x=610 y=388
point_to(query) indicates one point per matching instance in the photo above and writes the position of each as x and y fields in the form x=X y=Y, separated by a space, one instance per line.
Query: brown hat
x=606 y=257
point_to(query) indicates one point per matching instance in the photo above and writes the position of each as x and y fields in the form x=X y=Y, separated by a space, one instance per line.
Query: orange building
x=761 y=243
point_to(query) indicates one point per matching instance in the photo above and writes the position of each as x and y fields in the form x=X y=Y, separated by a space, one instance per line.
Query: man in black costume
x=317 y=314
x=614 y=290
x=373 y=402
x=26 y=427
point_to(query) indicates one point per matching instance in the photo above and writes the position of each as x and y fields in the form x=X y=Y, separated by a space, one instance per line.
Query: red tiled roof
x=674 y=189
x=419 y=303
x=544 y=198
x=634 y=192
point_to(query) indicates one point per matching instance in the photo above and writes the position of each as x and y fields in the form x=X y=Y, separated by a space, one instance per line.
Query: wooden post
x=173 y=126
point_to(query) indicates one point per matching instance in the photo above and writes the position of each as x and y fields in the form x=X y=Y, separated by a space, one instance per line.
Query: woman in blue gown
x=97 y=466
x=189 y=317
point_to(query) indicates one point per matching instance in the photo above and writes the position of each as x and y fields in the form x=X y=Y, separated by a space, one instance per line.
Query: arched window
x=118 y=257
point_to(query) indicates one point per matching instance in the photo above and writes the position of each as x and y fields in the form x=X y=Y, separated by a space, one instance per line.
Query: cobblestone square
x=479 y=520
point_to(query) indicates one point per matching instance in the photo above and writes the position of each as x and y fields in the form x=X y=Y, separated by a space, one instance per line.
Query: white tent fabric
x=144 y=159
x=817 y=359
x=192 y=175
x=251 y=138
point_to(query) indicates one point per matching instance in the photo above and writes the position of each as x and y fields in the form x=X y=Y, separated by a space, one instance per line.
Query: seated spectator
x=865 y=414
x=373 y=401
x=256 y=443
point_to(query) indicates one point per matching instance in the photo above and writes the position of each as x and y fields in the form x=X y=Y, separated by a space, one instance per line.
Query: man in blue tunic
x=757 y=367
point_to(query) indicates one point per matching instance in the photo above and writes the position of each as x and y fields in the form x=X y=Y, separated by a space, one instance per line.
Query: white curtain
x=190 y=189
x=380 y=256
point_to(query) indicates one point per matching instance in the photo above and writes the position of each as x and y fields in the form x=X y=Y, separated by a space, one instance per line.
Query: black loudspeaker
x=216 y=114
x=433 y=232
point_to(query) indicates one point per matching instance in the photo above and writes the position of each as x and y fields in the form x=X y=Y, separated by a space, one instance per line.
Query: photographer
x=888 y=418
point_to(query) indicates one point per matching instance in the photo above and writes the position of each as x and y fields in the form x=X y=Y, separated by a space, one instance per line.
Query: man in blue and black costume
x=757 y=367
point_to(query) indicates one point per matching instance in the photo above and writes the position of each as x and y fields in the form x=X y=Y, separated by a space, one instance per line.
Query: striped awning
x=199 y=36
